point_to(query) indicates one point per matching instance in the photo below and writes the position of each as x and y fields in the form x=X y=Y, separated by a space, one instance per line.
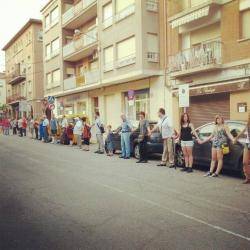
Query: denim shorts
x=187 y=143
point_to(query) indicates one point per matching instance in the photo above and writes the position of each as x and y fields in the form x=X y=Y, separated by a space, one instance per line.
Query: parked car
x=202 y=153
x=155 y=145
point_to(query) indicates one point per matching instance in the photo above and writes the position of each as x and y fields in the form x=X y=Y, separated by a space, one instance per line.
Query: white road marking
x=174 y=211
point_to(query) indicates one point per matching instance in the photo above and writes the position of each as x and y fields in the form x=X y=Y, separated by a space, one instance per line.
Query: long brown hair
x=182 y=118
x=217 y=117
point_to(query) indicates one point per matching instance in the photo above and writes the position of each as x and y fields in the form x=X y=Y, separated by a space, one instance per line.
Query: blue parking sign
x=51 y=99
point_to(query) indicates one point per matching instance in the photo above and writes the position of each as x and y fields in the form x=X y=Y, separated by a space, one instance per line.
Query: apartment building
x=209 y=49
x=24 y=70
x=104 y=55
x=2 y=89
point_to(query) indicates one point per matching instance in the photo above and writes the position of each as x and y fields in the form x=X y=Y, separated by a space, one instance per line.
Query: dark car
x=155 y=145
x=202 y=152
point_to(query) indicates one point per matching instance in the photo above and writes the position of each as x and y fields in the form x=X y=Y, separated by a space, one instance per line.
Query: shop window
x=81 y=108
x=140 y=103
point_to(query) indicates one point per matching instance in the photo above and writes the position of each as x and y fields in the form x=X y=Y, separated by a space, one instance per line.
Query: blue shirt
x=126 y=126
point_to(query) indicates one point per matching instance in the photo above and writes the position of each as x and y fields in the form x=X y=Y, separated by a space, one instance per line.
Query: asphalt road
x=58 y=197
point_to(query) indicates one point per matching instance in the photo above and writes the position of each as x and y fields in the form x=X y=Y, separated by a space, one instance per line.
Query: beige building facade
x=24 y=70
x=208 y=48
x=2 y=89
x=106 y=57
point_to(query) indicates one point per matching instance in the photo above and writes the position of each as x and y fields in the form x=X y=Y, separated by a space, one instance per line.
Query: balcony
x=81 y=47
x=79 y=14
x=86 y=79
x=204 y=11
x=15 y=98
x=17 y=75
x=203 y=57
x=153 y=57
x=152 y=5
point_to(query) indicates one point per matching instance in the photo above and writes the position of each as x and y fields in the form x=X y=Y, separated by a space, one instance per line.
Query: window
x=56 y=77
x=48 y=51
x=108 y=58
x=245 y=21
x=55 y=47
x=122 y=5
x=126 y=52
x=54 y=16
x=47 y=22
x=205 y=131
x=30 y=87
x=107 y=15
x=48 y=80
x=153 y=47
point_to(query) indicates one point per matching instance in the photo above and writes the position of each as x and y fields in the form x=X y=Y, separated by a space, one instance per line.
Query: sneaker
x=162 y=165
x=189 y=170
x=214 y=175
x=100 y=152
x=122 y=157
x=207 y=174
x=97 y=152
x=126 y=158
x=184 y=169
x=172 y=166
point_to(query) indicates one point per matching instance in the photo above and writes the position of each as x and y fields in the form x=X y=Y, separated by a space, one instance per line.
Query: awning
x=197 y=14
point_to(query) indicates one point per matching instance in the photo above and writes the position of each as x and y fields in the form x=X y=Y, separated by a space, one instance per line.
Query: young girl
x=187 y=143
x=110 y=147
x=219 y=138
x=246 y=153
x=86 y=134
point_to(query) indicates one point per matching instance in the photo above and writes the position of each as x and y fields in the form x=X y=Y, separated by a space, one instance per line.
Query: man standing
x=45 y=128
x=53 y=128
x=126 y=129
x=165 y=127
x=24 y=126
x=99 y=128
x=78 y=130
x=143 y=138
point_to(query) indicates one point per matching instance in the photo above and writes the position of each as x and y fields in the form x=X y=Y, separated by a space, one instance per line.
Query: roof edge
x=26 y=26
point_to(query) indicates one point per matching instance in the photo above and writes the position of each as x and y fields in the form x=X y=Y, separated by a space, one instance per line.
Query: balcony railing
x=16 y=77
x=74 y=11
x=107 y=22
x=15 y=98
x=125 y=12
x=204 y=54
x=152 y=5
x=87 y=78
x=153 y=57
x=80 y=43
x=125 y=61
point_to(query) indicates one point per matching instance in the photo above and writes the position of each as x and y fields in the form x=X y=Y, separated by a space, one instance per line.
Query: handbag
x=225 y=149
x=102 y=130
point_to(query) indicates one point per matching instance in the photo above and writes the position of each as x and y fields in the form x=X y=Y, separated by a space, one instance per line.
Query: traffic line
x=174 y=211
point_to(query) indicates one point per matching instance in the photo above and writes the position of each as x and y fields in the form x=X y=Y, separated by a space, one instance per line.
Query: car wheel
x=137 y=151
x=179 y=158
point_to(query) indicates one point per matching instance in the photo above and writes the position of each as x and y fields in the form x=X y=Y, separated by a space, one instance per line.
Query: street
x=58 y=197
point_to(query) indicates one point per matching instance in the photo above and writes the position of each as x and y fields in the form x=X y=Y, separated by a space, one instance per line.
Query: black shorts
x=85 y=141
x=54 y=132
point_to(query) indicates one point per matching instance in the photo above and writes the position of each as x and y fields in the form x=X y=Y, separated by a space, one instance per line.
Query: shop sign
x=184 y=96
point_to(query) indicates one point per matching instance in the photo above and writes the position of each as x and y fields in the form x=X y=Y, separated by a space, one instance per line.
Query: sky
x=13 y=15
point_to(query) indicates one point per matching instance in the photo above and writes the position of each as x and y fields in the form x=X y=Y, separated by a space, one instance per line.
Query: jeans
x=100 y=142
x=144 y=149
x=125 y=144
x=45 y=134
x=23 y=131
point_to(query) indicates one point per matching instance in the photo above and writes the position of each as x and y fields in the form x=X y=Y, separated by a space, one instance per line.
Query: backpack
x=86 y=132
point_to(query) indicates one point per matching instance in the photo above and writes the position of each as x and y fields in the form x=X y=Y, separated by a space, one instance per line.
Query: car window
x=205 y=131
x=235 y=128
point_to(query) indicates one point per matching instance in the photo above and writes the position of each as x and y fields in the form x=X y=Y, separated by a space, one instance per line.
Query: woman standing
x=246 y=152
x=187 y=143
x=219 y=139
x=86 y=134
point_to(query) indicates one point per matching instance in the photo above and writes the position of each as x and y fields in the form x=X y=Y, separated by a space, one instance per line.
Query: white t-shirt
x=64 y=123
x=78 y=128
x=165 y=127
x=45 y=122
x=98 y=124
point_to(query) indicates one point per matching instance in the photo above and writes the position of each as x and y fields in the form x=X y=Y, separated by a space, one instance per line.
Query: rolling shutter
x=203 y=109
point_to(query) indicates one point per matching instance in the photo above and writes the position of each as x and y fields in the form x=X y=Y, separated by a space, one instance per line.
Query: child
x=86 y=134
x=110 y=147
